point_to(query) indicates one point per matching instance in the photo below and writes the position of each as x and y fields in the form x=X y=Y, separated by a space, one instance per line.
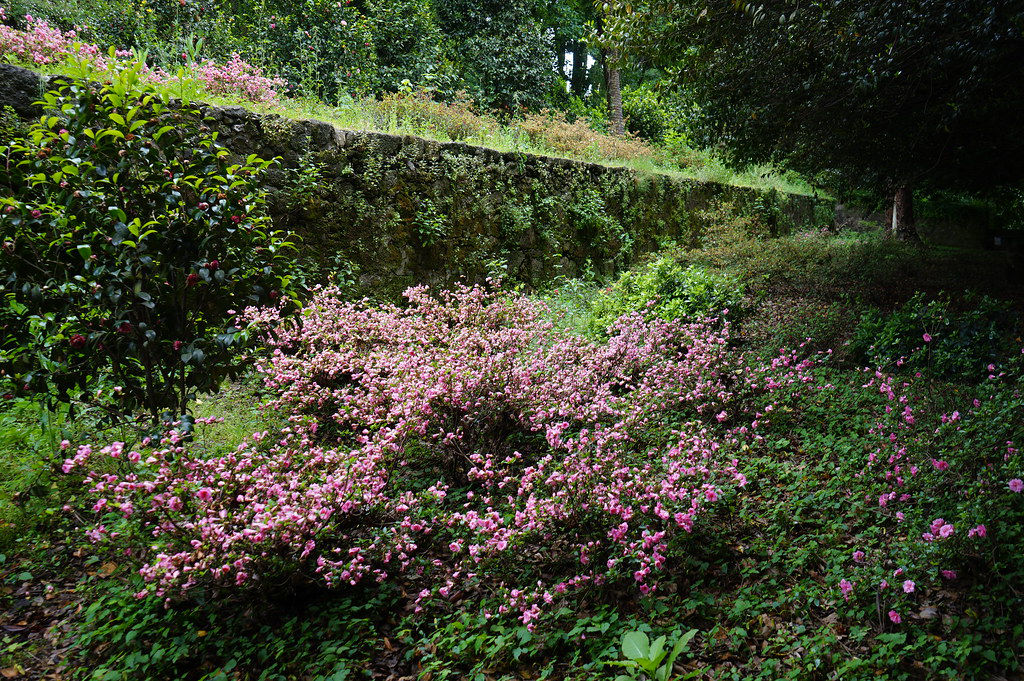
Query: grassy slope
x=700 y=165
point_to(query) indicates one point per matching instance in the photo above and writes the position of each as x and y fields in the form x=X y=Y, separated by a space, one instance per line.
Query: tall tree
x=613 y=77
x=611 y=45
x=890 y=95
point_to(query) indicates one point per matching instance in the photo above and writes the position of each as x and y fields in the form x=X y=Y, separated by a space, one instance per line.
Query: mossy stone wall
x=408 y=210
x=401 y=210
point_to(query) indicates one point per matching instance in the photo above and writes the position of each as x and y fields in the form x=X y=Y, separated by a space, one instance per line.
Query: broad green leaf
x=657 y=649
x=635 y=645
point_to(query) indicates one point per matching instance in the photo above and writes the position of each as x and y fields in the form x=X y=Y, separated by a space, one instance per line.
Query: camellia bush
x=459 y=441
x=129 y=240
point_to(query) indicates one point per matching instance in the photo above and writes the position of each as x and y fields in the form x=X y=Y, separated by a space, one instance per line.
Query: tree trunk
x=611 y=66
x=903 y=214
x=560 y=50
x=579 y=69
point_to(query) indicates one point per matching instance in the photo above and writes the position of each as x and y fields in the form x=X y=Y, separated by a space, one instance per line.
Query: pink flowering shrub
x=239 y=78
x=461 y=439
x=941 y=476
x=41 y=44
x=38 y=44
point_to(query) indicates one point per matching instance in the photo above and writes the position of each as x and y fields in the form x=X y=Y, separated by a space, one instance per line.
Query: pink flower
x=908 y=586
x=846 y=587
x=894 y=617
x=1017 y=485
x=927 y=338
x=205 y=494
x=858 y=556
x=979 y=531
x=940 y=465
x=949 y=574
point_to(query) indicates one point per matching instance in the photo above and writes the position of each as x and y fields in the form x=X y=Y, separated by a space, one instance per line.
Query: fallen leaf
x=107 y=569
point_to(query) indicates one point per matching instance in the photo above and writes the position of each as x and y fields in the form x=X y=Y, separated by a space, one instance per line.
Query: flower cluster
x=238 y=77
x=41 y=44
x=458 y=440
x=939 y=475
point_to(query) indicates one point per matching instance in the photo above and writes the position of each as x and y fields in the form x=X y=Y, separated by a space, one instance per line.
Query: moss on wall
x=402 y=210
x=407 y=210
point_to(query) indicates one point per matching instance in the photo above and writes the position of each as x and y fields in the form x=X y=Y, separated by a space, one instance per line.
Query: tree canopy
x=874 y=95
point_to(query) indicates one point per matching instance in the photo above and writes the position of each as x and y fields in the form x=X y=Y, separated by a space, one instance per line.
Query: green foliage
x=10 y=125
x=430 y=225
x=645 y=114
x=329 y=639
x=929 y=335
x=653 y=659
x=408 y=41
x=418 y=112
x=28 y=438
x=323 y=48
x=666 y=290
x=130 y=241
x=503 y=53
x=866 y=95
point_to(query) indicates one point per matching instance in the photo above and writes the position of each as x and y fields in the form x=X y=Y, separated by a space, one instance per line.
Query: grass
x=509 y=138
x=363 y=115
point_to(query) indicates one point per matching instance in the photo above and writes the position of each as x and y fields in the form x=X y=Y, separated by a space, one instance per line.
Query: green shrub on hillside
x=645 y=114
x=665 y=290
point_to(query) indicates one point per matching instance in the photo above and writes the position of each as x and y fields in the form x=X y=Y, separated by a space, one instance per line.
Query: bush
x=645 y=115
x=41 y=44
x=456 y=120
x=942 y=476
x=550 y=130
x=129 y=241
x=459 y=440
x=930 y=336
x=663 y=289
x=238 y=77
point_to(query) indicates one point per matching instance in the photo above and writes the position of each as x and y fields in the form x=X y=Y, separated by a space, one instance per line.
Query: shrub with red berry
x=129 y=240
